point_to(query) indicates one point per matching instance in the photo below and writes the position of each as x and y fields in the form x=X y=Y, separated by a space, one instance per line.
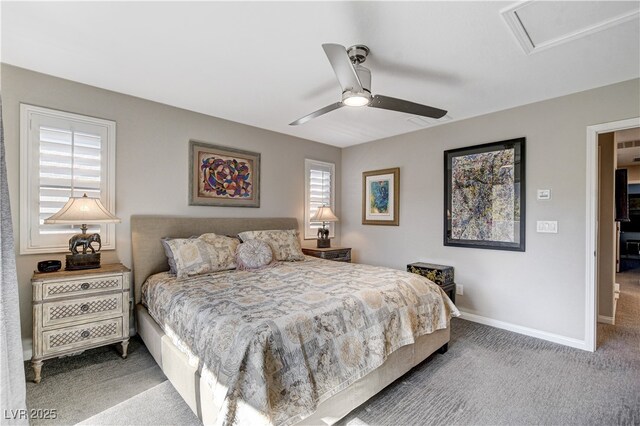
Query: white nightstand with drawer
x=78 y=310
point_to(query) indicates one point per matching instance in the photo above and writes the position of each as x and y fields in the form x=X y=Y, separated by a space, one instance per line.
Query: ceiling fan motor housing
x=358 y=53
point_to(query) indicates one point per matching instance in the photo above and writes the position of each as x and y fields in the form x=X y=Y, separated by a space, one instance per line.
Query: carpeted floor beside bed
x=499 y=378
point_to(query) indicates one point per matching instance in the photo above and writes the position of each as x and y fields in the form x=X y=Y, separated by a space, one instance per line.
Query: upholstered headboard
x=147 y=231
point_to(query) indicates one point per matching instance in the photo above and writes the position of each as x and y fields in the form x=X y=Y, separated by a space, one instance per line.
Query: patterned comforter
x=274 y=343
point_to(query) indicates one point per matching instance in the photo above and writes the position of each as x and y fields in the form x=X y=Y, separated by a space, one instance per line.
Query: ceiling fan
x=355 y=81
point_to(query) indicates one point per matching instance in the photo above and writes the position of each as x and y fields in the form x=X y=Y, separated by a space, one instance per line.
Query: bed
x=299 y=343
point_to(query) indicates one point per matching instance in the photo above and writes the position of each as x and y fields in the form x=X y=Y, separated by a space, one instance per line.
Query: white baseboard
x=606 y=320
x=544 y=335
x=26 y=348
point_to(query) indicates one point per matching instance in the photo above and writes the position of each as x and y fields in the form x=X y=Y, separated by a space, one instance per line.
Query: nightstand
x=78 y=310
x=439 y=274
x=339 y=254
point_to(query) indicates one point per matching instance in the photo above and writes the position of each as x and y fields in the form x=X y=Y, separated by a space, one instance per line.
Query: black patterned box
x=439 y=274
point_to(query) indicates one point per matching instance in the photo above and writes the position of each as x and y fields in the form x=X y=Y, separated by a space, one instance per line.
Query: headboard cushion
x=147 y=230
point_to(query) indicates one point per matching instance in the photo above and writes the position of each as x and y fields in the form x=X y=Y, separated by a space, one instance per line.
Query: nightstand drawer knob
x=84 y=334
x=84 y=308
x=84 y=286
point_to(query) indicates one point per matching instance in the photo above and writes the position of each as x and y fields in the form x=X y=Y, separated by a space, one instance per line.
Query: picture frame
x=381 y=197
x=484 y=196
x=223 y=176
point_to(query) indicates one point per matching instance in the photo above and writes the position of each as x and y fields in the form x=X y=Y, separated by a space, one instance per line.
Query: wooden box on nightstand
x=339 y=254
x=78 y=310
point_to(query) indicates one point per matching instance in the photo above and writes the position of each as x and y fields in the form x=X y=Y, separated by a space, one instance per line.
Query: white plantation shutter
x=63 y=155
x=319 y=190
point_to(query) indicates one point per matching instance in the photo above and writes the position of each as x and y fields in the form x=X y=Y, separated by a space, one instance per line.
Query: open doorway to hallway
x=618 y=238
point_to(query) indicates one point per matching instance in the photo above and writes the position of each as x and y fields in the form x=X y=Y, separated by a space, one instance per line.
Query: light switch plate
x=547 y=226
x=459 y=289
x=544 y=194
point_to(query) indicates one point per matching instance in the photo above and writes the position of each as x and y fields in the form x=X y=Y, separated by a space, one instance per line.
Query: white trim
x=544 y=335
x=591 y=305
x=26 y=178
x=509 y=14
x=606 y=320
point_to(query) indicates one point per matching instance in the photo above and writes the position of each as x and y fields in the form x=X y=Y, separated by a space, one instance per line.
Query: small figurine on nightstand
x=324 y=215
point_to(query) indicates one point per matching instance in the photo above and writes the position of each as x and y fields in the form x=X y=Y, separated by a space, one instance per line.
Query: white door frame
x=591 y=315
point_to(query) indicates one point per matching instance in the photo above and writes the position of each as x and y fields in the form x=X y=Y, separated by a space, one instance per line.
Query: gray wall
x=542 y=288
x=152 y=159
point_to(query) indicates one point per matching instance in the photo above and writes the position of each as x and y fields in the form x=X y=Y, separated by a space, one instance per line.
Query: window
x=62 y=155
x=319 y=190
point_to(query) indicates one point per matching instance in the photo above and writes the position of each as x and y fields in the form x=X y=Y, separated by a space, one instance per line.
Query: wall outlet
x=547 y=226
x=460 y=289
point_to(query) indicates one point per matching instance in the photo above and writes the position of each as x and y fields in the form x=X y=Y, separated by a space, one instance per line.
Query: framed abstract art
x=381 y=197
x=223 y=176
x=484 y=196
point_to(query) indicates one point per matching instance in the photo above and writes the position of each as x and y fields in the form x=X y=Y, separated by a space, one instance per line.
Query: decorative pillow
x=254 y=254
x=202 y=255
x=169 y=253
x=284 y=243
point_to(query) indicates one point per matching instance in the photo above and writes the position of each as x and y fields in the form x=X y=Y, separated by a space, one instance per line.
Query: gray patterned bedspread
x=274 y=343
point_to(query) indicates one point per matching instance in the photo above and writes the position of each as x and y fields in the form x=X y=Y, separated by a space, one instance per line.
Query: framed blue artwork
x=381 y=197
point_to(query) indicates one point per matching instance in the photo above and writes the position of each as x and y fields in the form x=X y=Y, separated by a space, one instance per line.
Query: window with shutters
x=319 y=190
x=63 y=155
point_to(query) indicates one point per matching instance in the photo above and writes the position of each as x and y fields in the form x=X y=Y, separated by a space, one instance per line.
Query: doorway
x=592 y=198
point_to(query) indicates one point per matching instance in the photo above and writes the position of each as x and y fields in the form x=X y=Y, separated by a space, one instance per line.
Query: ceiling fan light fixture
x=356 y=99
x=355 y=82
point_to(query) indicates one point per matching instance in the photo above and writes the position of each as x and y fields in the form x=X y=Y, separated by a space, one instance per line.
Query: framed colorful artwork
x=381 y=197
x=223 y=176
x=484 y=196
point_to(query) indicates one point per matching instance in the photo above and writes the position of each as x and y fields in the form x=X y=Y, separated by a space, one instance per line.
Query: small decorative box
x=439 y=274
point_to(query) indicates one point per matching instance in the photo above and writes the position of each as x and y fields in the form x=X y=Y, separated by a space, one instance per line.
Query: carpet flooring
x=488 y=377
x=168 y=409
x=81 y=386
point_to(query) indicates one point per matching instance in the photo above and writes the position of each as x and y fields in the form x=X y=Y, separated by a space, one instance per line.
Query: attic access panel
x=538 y=25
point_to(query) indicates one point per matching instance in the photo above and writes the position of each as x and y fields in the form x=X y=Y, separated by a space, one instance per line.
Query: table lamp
x=324 y=215
x=83 y=210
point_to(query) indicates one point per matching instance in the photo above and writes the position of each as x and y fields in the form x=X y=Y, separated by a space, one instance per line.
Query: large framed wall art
x=223 y=176
x=484 y=196
x=381 y=197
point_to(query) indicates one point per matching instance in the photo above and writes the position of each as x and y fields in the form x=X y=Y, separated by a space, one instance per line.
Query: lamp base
x=80 y=261
x=324 y=243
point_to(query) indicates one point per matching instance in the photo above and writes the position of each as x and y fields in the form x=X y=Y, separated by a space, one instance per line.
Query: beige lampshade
x=324 y=214
x=82 y=210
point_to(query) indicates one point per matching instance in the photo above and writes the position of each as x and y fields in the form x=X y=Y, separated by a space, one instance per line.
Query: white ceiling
x=262 y=63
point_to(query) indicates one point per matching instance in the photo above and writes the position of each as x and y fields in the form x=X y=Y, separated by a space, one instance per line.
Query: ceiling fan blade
x=394 y=104
x=317 y=113
x=341 y=64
